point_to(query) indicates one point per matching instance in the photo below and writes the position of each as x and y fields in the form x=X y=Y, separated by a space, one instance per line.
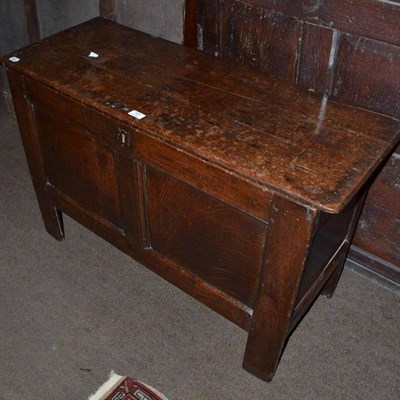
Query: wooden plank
x=375 y=19
x=264 y=130
x=108 y=9
x=208 y=22
x=367 y=74
x=32 y=20
x=379 y=233
x=210 y=296
x=202 y=25
x=190 y=28
x=233 y=190
x=89 y=160
x=315 y=70
x=191 y=228
x=377 y=266
x=264 y=40
x=333 y=266
x=5 y=95
x=280 y=281
x=385 y=191
x=331 y=233
x=52 y=218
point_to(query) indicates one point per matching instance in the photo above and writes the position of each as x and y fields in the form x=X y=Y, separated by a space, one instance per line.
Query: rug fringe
x=113 y=380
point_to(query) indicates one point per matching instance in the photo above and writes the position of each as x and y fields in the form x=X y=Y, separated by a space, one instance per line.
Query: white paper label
x=14 y=59
x=136 y=114
x=93 y=55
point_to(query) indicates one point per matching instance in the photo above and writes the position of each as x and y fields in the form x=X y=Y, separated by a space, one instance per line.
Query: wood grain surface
x=261 y=39
x=216 y=242
x=346 y=50
x=266 y=130
x=227 y=185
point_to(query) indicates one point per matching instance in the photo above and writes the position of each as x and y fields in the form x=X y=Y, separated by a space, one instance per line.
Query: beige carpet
x=72 y=311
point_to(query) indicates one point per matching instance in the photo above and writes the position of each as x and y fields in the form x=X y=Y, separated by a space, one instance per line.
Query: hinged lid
x=271 y=132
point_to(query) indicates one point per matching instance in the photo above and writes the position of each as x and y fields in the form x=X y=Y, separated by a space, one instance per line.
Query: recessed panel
x=78 y=165
x=218 y=243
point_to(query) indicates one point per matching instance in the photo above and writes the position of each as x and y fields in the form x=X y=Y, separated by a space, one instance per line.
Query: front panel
x=79 y=165
x=216 y=242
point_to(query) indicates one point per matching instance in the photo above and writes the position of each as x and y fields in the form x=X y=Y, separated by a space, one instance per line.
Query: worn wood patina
x=349 y=51
x=241 y=189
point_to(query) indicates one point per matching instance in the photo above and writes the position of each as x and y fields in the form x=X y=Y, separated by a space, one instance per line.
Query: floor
x=72 y=311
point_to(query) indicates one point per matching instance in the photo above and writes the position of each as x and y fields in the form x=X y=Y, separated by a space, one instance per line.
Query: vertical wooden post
x=280 y=280
x=32 y=20
x=108 y=9
x=34 y=35
x=52 y=217
x=190 y=24
x=6 y=100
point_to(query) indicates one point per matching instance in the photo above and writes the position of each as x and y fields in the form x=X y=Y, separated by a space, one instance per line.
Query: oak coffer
x=243 y=190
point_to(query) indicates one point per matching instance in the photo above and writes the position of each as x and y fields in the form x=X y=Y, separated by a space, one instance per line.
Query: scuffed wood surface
x=368 y=74
x=271 y=132
x=379 y=226
x=207 y=26
x=372 y=18
x=32 y=20
x=316 y=47
x=387 y=186
x=379 y=233
x=347 y=50
x=262 y=39
x=190 y=24
x=184 y=221
x=332 y=47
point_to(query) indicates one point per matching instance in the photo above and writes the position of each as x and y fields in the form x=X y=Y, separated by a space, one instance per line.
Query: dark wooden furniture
x=242 y=190
x=347 y=50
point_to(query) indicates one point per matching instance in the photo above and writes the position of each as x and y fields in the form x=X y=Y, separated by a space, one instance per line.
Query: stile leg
x=291 y=231
x=330 y=286
x=52 y=217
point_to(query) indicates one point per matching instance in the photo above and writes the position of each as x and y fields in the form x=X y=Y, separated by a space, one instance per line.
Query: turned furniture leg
x=280 y=280
x=52 y=217
x=330 y=286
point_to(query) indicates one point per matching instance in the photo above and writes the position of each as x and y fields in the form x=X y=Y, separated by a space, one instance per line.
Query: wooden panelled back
x=349 y=50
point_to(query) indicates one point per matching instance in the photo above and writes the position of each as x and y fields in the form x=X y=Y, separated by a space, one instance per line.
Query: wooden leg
x=331 y=284
x=52 y=217
x=291 y=231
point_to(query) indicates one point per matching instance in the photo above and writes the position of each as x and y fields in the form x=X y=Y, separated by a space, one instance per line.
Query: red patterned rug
x=124 y=388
